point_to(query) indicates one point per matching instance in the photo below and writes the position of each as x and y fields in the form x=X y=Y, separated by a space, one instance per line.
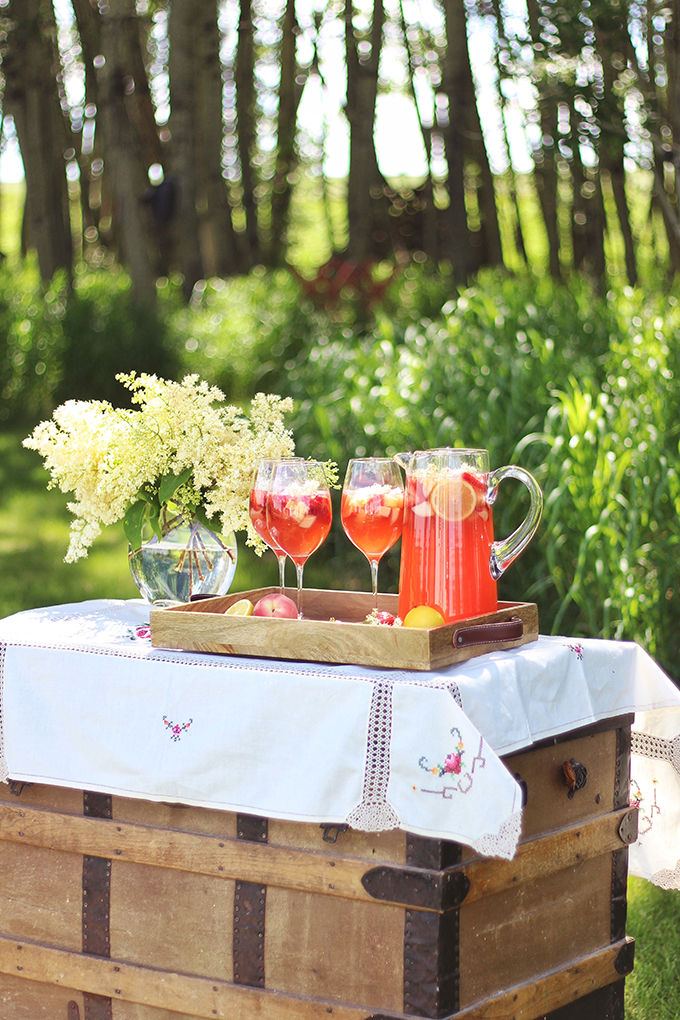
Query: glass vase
x=189 y=559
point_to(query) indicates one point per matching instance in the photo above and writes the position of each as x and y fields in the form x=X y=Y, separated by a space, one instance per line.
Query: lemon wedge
x=244 y=607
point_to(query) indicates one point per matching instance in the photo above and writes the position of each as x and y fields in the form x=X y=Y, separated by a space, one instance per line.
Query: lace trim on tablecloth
x=504 y=844
x=4 y=774
x=656 y=747
x=667 y=879
x=374 y=813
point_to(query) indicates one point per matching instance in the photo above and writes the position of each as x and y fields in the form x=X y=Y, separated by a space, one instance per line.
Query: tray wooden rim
x=202 y=627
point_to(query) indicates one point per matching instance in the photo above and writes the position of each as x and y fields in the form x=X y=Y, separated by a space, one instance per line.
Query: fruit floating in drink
x=448 y=532
x=372 y=509
x=299 y=522
x=258 y=511
x=258 y=515
x=449 y=559
x=373 y=518
x=298 y=511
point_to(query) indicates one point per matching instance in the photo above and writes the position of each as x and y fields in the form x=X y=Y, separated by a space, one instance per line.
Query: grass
x=653 y=989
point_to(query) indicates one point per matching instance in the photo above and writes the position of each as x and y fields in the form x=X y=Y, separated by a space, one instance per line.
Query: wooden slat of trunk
x=210 y=998
x=287 y=867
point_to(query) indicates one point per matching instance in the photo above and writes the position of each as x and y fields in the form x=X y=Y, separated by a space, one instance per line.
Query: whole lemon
x=423 y=616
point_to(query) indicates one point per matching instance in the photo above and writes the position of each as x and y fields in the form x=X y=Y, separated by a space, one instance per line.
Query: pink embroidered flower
x=452 y=763
x=175 y=729
x=143 y=632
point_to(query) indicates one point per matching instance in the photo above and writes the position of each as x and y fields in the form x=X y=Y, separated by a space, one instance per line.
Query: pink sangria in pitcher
x=449 y=559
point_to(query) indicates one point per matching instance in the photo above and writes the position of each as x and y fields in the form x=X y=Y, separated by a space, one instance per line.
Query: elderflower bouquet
x=183 y=453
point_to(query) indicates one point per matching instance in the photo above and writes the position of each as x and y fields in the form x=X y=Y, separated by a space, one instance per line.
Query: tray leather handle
x=488 y=633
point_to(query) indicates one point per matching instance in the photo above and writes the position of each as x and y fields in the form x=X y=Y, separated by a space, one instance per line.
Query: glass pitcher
x=449 y=559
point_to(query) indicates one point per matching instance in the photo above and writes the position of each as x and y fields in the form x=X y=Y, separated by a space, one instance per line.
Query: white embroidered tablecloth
x=87 y=702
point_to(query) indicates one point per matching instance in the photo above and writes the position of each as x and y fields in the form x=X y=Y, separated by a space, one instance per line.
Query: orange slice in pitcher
x=453 y=498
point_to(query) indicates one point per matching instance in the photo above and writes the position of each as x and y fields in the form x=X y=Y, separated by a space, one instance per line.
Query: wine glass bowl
x=298 y=511
x=372 y=509
x=258 y=511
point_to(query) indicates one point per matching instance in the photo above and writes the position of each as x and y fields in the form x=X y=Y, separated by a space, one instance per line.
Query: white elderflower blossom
x=181 y=440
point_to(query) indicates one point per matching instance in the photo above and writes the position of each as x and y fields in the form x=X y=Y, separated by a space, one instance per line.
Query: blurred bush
x=582 y=389
x=57 y=346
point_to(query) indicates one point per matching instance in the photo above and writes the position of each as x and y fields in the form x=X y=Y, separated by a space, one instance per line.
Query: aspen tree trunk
x=491 y=249
x=290 y=93
x=512 y=179
x=545 y=171
x=31 y=99
x=610 y=28
x=218 y=242
x=366 y=212
x=181 y=27
x=87 y=20
x=430 y=235
x=458 y=248
x=125 y=169
x=244 y=75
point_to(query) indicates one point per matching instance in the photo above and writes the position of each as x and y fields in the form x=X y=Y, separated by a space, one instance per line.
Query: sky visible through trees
x=398 y=141
x=191 y=136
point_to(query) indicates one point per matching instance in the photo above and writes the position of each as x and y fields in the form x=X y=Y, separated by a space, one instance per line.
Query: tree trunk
x=611 y=28
x=512 y=180
x=31 y=99
x=430 y=239
x=491 y=249
x=366 y=212
x=290 y=93
x=545 y=170
x=126 y=172
x=218 y=242
x=87 y=21
x=139 y=100
x=244 y=75
x=458 y=248
x=182 y=32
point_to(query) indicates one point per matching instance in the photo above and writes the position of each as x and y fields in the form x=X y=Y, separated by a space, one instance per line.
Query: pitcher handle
x=507 y=550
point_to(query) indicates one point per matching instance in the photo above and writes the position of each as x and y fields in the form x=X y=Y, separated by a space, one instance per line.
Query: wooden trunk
x=116 y=909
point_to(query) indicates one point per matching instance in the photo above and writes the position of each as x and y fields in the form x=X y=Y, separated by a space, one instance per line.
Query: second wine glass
x=262 y=476
x=299 y=511
x=372 y=509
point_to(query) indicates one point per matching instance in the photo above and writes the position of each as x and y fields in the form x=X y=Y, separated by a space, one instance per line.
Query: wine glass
x=298 y=511
x=257 y=508
x=372 y=509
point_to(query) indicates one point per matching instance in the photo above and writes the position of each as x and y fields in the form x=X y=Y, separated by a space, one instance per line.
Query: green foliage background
x=580 y=388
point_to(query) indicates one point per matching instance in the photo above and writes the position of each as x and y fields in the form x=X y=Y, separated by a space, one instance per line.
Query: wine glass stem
x=299 y=568
x=374 y=581
x=282 y=571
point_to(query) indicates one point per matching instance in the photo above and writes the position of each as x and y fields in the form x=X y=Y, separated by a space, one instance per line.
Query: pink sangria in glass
x=298 y=511
x=372 y=509
x=258 y=511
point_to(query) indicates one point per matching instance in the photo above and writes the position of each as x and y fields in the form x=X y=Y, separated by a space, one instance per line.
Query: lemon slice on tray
x=453 y=499
x=244 y=607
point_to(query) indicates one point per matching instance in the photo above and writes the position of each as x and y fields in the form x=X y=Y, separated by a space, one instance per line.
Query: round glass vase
x=189 y=559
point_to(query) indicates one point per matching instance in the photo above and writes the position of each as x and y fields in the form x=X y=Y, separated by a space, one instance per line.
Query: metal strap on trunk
x=96 y=907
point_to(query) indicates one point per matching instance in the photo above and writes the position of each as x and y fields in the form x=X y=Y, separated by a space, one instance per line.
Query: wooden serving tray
x=333 y=631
